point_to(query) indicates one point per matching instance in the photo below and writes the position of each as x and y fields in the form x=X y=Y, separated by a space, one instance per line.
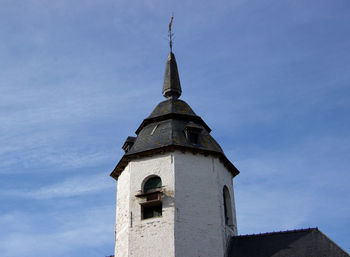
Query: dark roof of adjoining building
x=169 y=128
x=295 y=243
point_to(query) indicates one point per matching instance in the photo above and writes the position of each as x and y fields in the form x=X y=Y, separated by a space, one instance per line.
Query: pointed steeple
x=171 y=87
x=172 y=125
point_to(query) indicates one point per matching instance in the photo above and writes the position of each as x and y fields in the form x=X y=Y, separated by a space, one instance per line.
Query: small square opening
x=151 y=211
x=193 y=137
x=192 y=133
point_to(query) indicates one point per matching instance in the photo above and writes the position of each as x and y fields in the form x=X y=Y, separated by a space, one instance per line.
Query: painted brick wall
x=155 y=236
x=123 y=214
x=200 y=228
x=192 y=222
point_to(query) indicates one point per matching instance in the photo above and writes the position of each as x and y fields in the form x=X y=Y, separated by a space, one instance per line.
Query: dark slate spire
x=171 y=87
x=172 y=125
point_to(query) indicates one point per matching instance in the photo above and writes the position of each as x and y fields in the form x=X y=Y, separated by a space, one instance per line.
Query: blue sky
x=270 y=77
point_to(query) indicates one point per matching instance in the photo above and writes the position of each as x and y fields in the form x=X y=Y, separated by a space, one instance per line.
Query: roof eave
x=127 y=158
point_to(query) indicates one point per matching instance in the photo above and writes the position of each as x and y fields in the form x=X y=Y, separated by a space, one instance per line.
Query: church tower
x=175 y=185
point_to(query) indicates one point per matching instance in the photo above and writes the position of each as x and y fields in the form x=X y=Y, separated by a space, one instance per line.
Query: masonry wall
x=192 y=222
x=154 y=236
x=123 y=214
x=200 y=228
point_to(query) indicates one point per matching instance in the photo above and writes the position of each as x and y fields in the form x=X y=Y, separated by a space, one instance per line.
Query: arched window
x=152 y=184
x=227 y=207
x=151 y=190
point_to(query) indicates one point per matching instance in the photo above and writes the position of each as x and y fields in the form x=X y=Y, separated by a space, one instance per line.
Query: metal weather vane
x=170 y=34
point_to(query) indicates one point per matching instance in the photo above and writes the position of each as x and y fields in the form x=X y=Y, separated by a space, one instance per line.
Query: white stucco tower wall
x=193 y=219
x=145 y=237
x=200 y=228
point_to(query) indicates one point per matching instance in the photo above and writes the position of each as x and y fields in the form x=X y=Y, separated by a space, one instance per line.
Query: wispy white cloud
x=55 y=160
x=81 y=228
x=291 y=188
x=74 y=187
x=71 y=186
x=40 y=127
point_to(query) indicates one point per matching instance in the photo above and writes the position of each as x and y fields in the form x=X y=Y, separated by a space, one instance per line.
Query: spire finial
x=170 y=34
x=171 y=86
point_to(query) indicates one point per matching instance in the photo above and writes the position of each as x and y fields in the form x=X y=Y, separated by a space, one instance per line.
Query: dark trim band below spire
x=171 y=86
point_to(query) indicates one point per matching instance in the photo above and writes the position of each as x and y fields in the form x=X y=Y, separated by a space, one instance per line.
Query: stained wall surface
x=193 y=219
x=200 y=228
x=153 y=236
x=123 y=214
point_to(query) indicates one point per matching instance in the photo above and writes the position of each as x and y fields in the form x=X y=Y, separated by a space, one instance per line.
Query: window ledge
x=149 y=193
x=151 y=203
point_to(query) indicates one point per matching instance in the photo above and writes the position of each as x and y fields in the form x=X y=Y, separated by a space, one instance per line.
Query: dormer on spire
x=171 y=87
